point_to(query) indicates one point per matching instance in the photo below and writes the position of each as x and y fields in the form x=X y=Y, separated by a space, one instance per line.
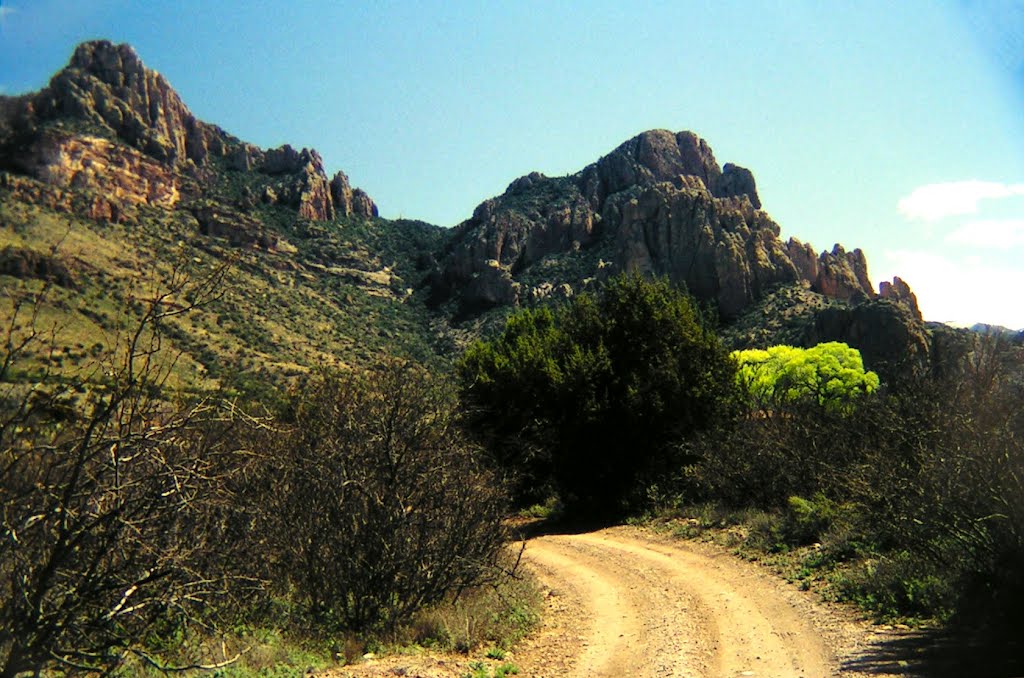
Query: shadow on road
x=530 y=528
x=944 y=654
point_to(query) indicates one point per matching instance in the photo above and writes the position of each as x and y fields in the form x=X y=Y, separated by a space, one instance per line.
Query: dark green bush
x=593 y=397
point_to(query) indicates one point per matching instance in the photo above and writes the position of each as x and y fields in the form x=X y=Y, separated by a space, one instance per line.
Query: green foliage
x=589 y=398
x=807 y=520
x=901 y=585
x=341 y=298
x=831 y=374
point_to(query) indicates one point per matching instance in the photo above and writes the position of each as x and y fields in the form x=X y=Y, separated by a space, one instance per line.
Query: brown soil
x=626 y=602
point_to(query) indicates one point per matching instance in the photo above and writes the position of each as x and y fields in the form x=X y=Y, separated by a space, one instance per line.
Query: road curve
x=644 y=607
x=624 y=601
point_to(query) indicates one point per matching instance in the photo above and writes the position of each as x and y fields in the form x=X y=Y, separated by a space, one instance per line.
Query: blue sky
x=894 y=127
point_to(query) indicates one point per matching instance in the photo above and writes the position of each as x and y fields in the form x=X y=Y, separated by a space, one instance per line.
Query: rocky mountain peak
x=114 y=65
x=109 y=86
x=659 y=156
x=659 y=204
x=158 y=141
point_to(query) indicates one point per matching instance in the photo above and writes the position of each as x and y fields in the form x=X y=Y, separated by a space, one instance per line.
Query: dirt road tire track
x=655 y=609
x=623 y=601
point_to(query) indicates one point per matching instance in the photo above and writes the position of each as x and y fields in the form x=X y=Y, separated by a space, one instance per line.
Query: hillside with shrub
x=240 y=409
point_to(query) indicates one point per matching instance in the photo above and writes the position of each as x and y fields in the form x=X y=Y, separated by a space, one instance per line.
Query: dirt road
x=626 y=603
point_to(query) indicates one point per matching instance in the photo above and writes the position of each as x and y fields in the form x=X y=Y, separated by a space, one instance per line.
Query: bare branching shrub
x=929 y=475
x=109 y=497
x=954 y=493
x=373 y=503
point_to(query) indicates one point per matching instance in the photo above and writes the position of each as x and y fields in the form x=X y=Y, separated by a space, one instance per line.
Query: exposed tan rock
x=493 y=286
x=736 y=181
x=245 y=157
x=804 y=259
x=315 y=195
x=349 y=202
x=669 y=209
x=363 y=205
x=652 y=157
x=341 y=194
x=106 y=88
x=723 y=250
x=286 y=160
x=117 y=174
x=305 y=185
x=843 y=275
x=240 y=230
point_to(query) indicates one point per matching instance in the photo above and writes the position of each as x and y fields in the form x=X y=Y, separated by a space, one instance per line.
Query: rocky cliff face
x=659 y=204
x=348 y=201
x=108 y=85
x=108 y=125
x=119 y=173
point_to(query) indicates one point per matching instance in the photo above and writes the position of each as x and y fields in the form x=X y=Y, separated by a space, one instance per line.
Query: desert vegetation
x=145 y=525
x=906 y=497
x=910 y=497
x=140 y=522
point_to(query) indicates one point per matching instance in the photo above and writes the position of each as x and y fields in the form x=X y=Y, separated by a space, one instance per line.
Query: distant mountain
x=659 y=203
x=998 y=330
x=108 y=163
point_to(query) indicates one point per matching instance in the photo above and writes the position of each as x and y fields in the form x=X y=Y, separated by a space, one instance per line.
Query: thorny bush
x=110 y=502
x=372 y=503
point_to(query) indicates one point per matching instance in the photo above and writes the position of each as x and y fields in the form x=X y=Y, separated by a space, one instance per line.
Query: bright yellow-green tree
x=832 y=374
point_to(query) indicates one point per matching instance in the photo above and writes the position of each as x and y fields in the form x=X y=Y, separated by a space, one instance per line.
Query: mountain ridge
x=109 y=141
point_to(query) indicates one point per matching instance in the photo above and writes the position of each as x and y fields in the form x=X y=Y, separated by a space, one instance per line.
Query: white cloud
x=961 y=292
x=6 y=11
x=1001 y=233
x=935 y=201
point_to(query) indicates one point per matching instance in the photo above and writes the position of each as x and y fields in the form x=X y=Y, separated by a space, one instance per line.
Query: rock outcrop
x=109 y=125
x=25 y=263
x=306 y=187
x=659 y=204
x=118 y=173
x=898 y=290
x=109 y=86
x=722 y=249
x=891 y=339
x=237 y=228
x=350 y=202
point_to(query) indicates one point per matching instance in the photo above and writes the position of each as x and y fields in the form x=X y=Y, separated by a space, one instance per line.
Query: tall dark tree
x=589 y=398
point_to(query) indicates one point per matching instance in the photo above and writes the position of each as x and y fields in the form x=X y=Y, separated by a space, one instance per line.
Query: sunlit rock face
x=118 y=172
x=669 y=209
x=108 y=124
